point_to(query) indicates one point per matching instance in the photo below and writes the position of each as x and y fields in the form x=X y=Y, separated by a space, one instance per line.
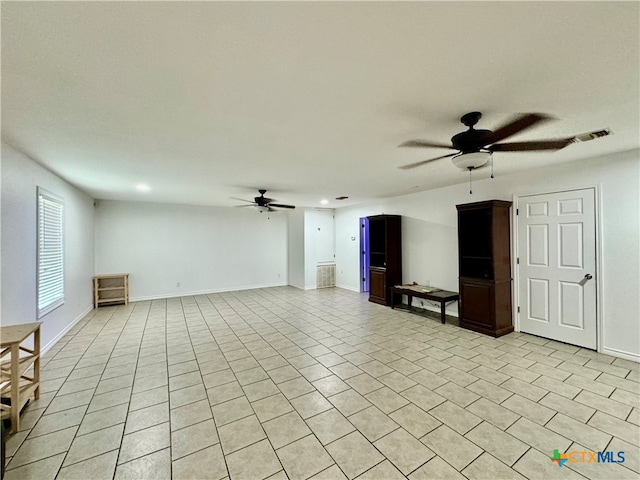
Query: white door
x=557 y=266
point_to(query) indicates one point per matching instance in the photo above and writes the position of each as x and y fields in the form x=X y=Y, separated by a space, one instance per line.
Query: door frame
x=363 y=254
x=598 y=261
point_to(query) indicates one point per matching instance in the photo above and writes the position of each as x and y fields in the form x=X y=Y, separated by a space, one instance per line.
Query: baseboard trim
x=348 y=287
x=57 y=338
x=634 y=357
x=203 y=292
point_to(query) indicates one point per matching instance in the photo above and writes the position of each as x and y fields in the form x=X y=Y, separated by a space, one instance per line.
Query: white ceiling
x=207 y=100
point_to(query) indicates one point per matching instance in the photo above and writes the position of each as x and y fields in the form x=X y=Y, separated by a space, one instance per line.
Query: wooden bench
x=428 y=293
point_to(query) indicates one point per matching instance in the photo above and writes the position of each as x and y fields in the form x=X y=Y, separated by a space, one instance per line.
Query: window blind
x=50 y=275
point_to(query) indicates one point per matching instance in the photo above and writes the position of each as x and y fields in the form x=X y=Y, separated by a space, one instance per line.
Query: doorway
x=364 y=254
x=556 y=261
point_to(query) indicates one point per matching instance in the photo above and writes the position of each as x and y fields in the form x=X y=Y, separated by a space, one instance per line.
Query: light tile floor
x=282 y=383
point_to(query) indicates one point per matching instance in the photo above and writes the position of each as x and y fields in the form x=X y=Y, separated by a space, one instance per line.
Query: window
x=50 y=274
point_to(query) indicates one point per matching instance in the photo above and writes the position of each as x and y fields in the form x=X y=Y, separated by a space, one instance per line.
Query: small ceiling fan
x=262 y=203
x=474 y=147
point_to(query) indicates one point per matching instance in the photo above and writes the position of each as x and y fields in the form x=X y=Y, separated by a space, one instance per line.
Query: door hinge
x=518 y=309
x=517 y=211
x=518 y=261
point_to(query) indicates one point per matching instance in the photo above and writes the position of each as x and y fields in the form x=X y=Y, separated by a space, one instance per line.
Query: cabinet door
x=477 y=302
x=378 y=285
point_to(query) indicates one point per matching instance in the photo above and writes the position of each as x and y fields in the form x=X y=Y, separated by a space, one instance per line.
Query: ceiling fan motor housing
x=470 y=141
x=262 y=201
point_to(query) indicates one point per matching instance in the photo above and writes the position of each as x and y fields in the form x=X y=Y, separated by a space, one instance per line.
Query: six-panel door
x=556 y=248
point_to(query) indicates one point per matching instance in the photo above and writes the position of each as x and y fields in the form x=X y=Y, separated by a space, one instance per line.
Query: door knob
x=585 y=279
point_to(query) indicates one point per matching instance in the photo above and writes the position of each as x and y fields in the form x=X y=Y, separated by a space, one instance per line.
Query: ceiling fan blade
x=241 y=199
x=516 y=125
x=422 y=143
x=279 y=205
x=422 y=162
x=552 y=144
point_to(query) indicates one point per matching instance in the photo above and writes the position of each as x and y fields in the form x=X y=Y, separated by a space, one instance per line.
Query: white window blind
x=50 y=279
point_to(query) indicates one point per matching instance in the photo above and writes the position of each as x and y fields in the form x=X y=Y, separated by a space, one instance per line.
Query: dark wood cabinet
x=378 y=285
x=484 y=261
x=385 y=256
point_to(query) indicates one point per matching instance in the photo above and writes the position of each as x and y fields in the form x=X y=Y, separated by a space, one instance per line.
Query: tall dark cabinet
x=484 y=261
x=385 y=256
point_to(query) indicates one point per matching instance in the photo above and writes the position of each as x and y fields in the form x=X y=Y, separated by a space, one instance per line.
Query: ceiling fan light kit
x=471 y=160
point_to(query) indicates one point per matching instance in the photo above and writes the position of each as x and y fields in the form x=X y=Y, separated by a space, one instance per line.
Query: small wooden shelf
x=111 y=288
x=16 y=385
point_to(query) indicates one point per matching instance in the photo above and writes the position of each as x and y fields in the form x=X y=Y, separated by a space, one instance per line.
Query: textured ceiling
x=207 y=100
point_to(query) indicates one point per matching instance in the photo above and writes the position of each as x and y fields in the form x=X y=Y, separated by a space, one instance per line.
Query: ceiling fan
x=262 y=203
x=474 y=147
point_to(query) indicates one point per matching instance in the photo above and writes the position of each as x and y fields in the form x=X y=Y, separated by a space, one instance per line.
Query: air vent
x=326 y=276
x=584 y=137
x=342 y=198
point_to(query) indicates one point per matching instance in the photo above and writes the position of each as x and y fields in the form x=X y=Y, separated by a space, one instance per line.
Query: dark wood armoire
x=484 y=262
x=385 y=256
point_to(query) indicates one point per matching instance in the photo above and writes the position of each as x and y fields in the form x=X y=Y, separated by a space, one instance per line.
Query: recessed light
x=324 y=201
x=141 y=187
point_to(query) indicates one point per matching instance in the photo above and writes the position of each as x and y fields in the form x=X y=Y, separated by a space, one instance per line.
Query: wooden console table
x=441 y=296
x=17 y=386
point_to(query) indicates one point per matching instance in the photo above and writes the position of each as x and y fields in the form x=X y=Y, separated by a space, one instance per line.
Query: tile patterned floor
x=281 y=383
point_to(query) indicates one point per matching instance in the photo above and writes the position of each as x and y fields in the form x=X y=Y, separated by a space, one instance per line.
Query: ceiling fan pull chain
x=470 y=190
x=491 y=157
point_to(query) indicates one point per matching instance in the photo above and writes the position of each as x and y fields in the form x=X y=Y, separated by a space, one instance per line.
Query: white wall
x=20 y=178
x=323 y=238
x=296 y=248
x=429 y=244
x=205 y=249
